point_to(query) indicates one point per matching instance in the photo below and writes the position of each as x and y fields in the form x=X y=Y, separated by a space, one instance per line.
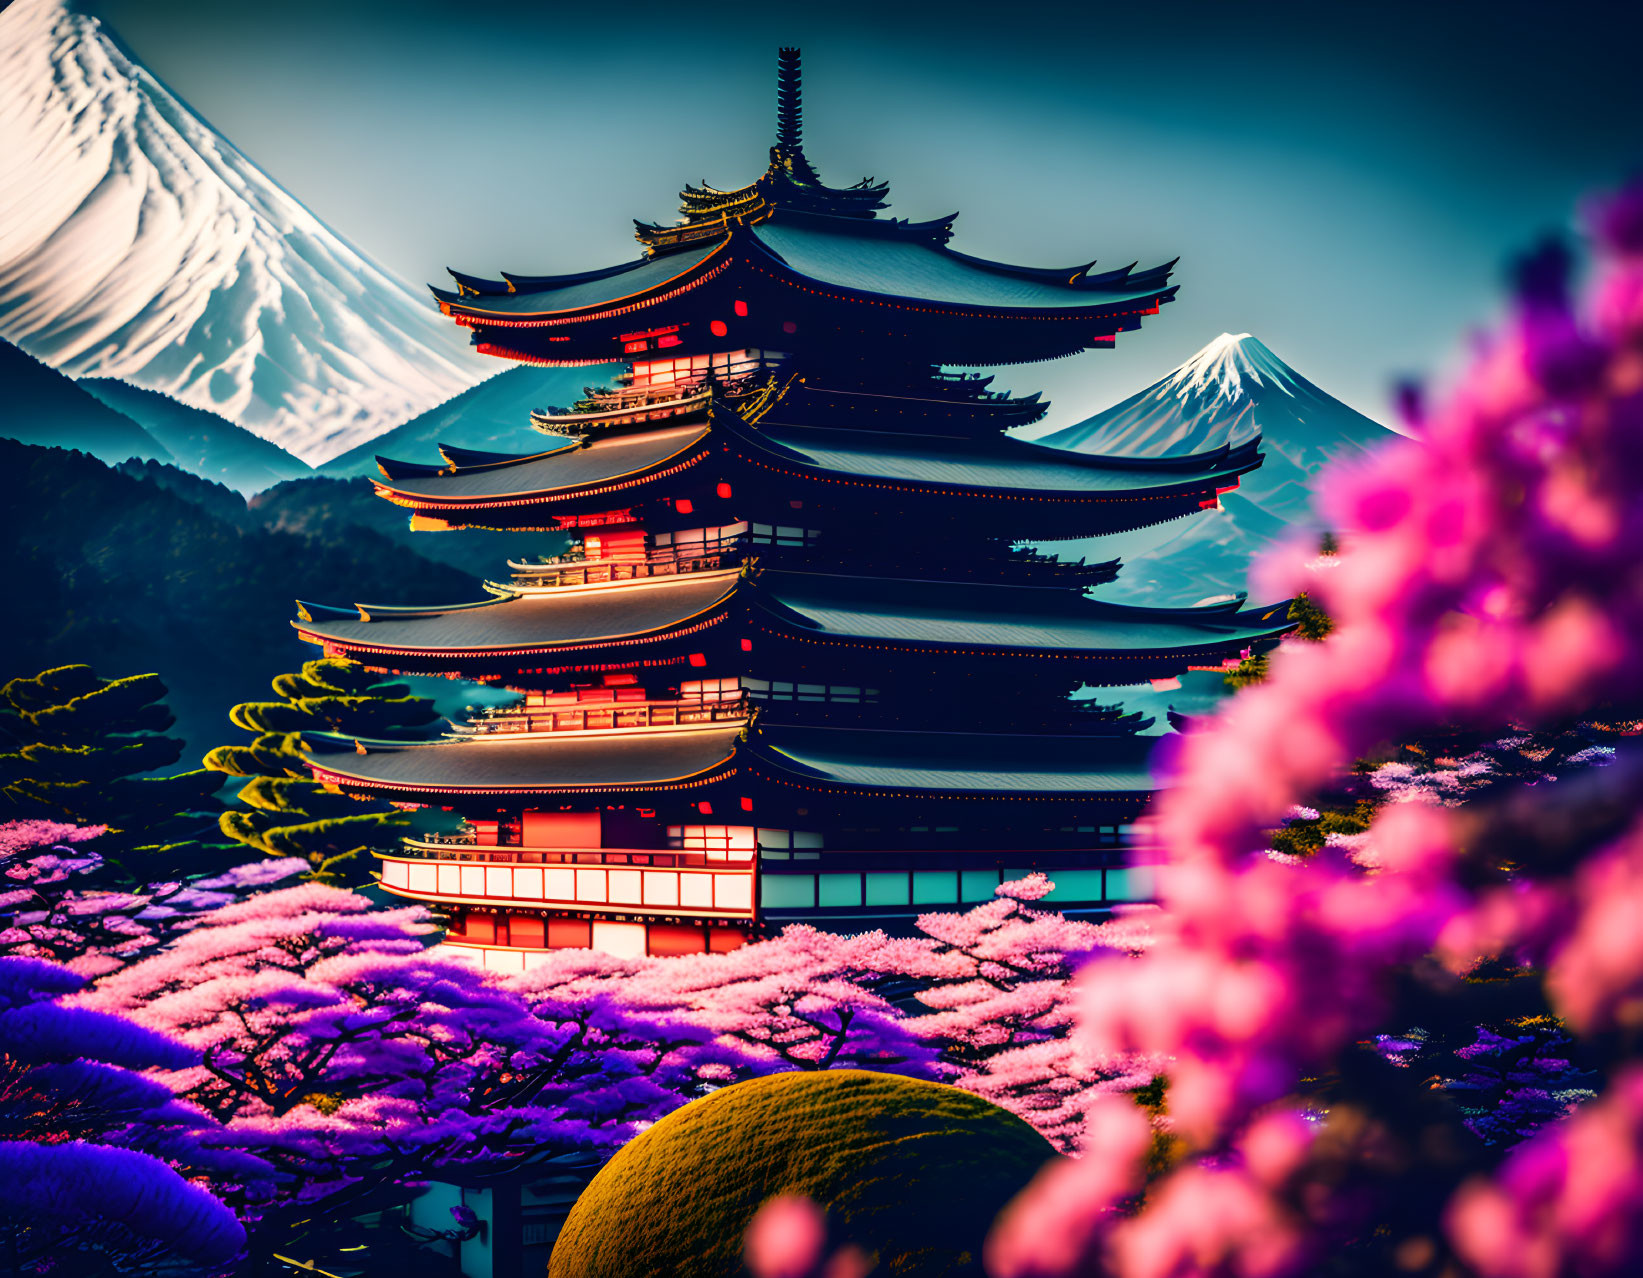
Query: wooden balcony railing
x=588 y=572
x=604 y=715
x=600 y=880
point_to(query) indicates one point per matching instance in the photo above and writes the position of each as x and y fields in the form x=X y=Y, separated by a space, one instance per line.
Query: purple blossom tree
x=356 y=1063
x=91 y=1151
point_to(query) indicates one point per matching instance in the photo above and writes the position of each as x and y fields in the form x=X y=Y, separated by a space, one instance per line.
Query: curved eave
x=753 y=448
x=1126 y=300
x=1211 y=647
x=1118 y=314
x=312 y=627
x=345 y=769
x=690 y=273
x=459 y=461
x=915 y=779
x=394 y=491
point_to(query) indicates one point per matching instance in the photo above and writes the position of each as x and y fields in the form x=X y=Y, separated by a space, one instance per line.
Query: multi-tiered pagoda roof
x=798 y=659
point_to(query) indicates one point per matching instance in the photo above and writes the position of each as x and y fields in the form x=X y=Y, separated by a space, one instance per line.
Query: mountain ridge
x=142 y=245
x=1225 y=393
x=43 y=407
x=203 y=443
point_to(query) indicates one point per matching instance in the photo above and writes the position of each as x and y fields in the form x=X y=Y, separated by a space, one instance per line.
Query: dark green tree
x=75 y=747
x=291 y=814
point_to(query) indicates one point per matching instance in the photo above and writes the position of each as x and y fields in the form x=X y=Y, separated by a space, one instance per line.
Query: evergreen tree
x=292 y=814
x=74 y=748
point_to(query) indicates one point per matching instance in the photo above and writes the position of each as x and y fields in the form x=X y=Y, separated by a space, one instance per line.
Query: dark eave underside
x=999 y=617
x=576 y=760
x=1002 y=465
x=966 y=762
x=565 y=469
x=800 y=605
x=1006 y=765
x=549 y=620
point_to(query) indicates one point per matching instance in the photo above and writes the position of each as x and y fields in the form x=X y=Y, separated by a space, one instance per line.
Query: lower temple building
x=802 y=659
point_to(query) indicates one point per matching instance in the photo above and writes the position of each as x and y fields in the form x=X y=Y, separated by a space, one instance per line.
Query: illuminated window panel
x=1076 y=885
x=838 y=889
x=787 y=891
x=887 y=887
x=788 y=690
x=1135 y=883
x=935 y=887
x=733 y=892
x=696 y=891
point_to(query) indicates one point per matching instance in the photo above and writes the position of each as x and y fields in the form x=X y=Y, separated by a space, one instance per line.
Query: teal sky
x=1343 y=180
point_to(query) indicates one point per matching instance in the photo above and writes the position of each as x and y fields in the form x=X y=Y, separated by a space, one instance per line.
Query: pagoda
x=799 y=662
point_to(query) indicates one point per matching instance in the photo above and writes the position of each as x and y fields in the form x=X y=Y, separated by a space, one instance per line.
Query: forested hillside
x=155 y=570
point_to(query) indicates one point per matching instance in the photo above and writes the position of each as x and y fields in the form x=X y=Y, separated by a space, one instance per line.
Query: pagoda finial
x=788 y=104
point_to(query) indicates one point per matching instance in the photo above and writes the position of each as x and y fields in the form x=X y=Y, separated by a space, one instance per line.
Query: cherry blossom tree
x=998 y=978
x=1489 y=574
x=53 y=910
x=804 y=999
x=981 y=998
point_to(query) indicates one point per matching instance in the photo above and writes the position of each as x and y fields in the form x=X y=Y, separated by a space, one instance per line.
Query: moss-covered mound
x=910 y=1171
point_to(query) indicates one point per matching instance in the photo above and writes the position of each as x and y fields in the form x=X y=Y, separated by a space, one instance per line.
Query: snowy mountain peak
x=138 y=243
x=1217 y=397
x=1225 y=366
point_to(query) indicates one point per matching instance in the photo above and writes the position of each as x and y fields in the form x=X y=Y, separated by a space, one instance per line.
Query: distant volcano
x=1231 y=390
x=137 y=243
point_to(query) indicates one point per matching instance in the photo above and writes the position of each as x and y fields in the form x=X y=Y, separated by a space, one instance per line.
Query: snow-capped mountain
x=137 y=243
x=1231 y=390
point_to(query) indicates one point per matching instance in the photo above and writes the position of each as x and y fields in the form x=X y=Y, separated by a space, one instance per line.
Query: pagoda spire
x=788 y=153
x=789 y=103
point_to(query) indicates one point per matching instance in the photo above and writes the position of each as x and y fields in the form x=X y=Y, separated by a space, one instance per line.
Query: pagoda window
x=625 y=940
x=935 y=887
x=1133 y=883
x=977 y=885
x=787 y=690
x=889 y=887
x=527 y=930
x=672 y=938
x=710 y=691
x=789 y=845
x=566 y=934
x=686 y=371
x=716 y=842
x=701 y=541
x=787 y=891
x=733 y=891
x=838 y=889
x=782 y=535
